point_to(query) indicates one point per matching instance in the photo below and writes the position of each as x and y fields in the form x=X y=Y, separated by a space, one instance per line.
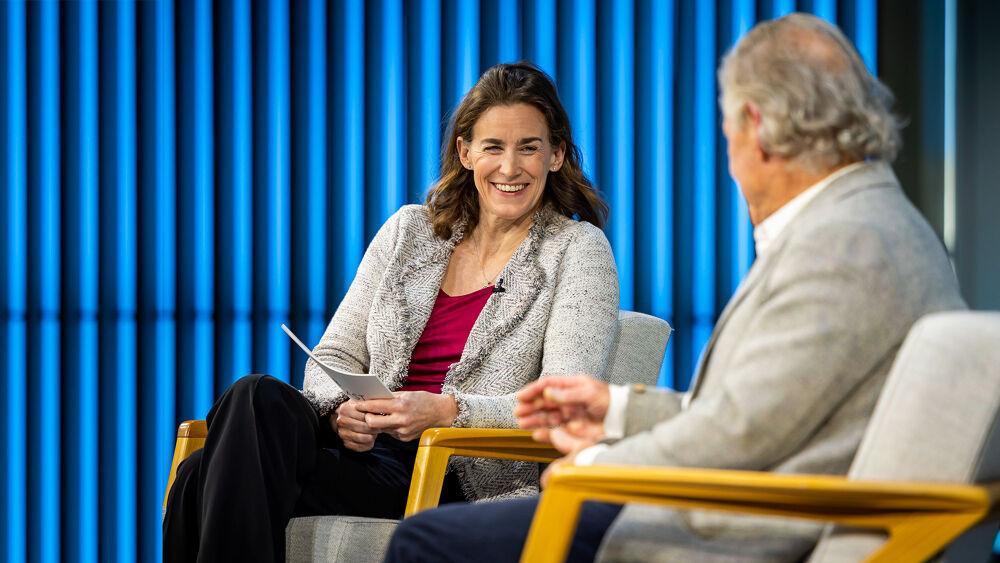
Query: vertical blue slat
x=235 y=192
x=826 y=9
x=704 y=138
x=500 y=32
x=424 y=105
x=80 y=503
x=617 y=31
x=118 y=289
x=770 y=9
x=387 y=114
x=348 y=151
x=157 y=264
x=204 y=209
x=309 y=271
x=863 y=26
x=734 y=229
x=461 y=50
x=578 y=77
x=15 y=506
x=44 y=345
x=273 y=191
x=540 y=34
x=655 y=164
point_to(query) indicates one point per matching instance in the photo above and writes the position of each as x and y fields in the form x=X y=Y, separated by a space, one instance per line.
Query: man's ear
x=753 y=122
x=463 y=152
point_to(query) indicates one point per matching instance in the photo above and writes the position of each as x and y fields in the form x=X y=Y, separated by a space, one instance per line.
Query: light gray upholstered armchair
x=636 y=358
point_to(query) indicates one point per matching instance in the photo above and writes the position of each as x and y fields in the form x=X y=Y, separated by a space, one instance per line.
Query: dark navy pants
x=489 y=532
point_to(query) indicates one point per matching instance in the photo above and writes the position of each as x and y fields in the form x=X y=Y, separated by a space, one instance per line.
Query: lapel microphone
x=499 y=288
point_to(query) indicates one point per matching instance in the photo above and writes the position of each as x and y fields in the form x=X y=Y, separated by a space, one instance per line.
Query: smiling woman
x=456 y=305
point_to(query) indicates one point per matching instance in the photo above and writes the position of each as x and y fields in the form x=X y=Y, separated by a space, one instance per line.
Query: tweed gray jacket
x=792 y=371
x=557 y=315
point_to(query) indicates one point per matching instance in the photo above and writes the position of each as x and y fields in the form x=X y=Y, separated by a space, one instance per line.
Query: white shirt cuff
x=614 y=420
x=588 y=455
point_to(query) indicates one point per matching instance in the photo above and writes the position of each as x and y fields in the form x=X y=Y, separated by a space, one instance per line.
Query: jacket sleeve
x=580 y=330
x=344 y=343
x=827 y=320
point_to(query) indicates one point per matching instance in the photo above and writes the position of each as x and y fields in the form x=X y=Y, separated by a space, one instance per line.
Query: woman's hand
x=409 y=413
x=349 y=423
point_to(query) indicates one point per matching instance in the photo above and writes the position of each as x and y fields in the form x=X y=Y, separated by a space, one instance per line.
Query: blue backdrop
x=177 y=180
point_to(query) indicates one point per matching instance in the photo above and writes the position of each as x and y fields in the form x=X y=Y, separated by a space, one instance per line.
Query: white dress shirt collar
x=769 y=229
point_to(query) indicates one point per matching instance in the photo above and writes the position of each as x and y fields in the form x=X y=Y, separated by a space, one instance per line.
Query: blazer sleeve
x=344 y=343
x=827 y=320
x=580 y=330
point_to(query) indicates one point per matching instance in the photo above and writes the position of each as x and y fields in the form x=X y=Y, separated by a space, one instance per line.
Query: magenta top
x=443 y=339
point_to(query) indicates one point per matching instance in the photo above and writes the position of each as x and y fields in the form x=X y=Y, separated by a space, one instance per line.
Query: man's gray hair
x=818 y=103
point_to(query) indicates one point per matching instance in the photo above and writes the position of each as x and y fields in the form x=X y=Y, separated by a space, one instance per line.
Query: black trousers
x=268 y=458
x=489 y=532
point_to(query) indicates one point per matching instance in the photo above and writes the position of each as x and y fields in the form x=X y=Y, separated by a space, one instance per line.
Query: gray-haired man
x=845 y=265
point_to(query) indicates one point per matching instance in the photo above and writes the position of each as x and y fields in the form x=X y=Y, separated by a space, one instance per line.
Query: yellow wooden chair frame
x=920 y=518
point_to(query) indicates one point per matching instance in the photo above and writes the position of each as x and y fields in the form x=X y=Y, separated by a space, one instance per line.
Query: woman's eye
x=529 y=149
x=493 y=149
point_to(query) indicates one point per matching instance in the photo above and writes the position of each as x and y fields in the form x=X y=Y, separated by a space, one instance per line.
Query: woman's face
x=510 y=157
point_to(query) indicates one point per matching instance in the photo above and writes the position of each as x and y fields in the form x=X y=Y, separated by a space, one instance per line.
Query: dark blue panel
x=386 y=101
x=117 y=284
x=770 y=9
x=858 y=19
x=577 y=78
x=617 y=92
x=539 y=39
x=309 y=194
x=43 y=283
x=347 y=150
x=271 y=188
x=500 y=32
x=425 y=124
x=461 y=51
x=735 y=233
x=157 y=265
x=826 y=9
x=80 y=240
x=15 y=179
x=234 y=191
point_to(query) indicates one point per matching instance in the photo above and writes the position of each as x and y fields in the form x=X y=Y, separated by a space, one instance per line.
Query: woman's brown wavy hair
x=454 y=199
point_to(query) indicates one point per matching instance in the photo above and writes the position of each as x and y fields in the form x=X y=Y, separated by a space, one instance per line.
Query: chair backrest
x=638 y=351
x=937 y=419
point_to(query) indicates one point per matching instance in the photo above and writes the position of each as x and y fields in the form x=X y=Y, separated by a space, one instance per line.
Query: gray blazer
x=557 y=316
x=792 y=371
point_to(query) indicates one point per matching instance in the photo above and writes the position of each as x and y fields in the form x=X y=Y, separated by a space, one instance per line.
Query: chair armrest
x=437 y=445
x=191 y=436
x=921 y=518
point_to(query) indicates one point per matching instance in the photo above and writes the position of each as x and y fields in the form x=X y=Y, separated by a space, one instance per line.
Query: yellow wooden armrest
x=190 y=438
x=920 y=518
x=437 y=445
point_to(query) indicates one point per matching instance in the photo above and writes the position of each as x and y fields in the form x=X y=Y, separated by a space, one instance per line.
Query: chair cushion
x=936 y=419
x=337 y=538
x=637 y=354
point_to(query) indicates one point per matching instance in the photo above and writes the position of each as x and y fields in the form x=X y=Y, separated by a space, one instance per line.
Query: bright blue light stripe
x=618 y=124
x=865 y=32
x=242 y=193
x=742 y=19
x=659 y=161
x=88 y=515
x=16 y=270
x=394 y=105
x=316 y=161
x=465 y=32
x=277 y=198
x=703 y=139
x=578 y=80
x=204 y=207
x=48 y=484
x=508 y=31
x=541 y=44
x=425 y=101
x=351 y=208
x=125 y=284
